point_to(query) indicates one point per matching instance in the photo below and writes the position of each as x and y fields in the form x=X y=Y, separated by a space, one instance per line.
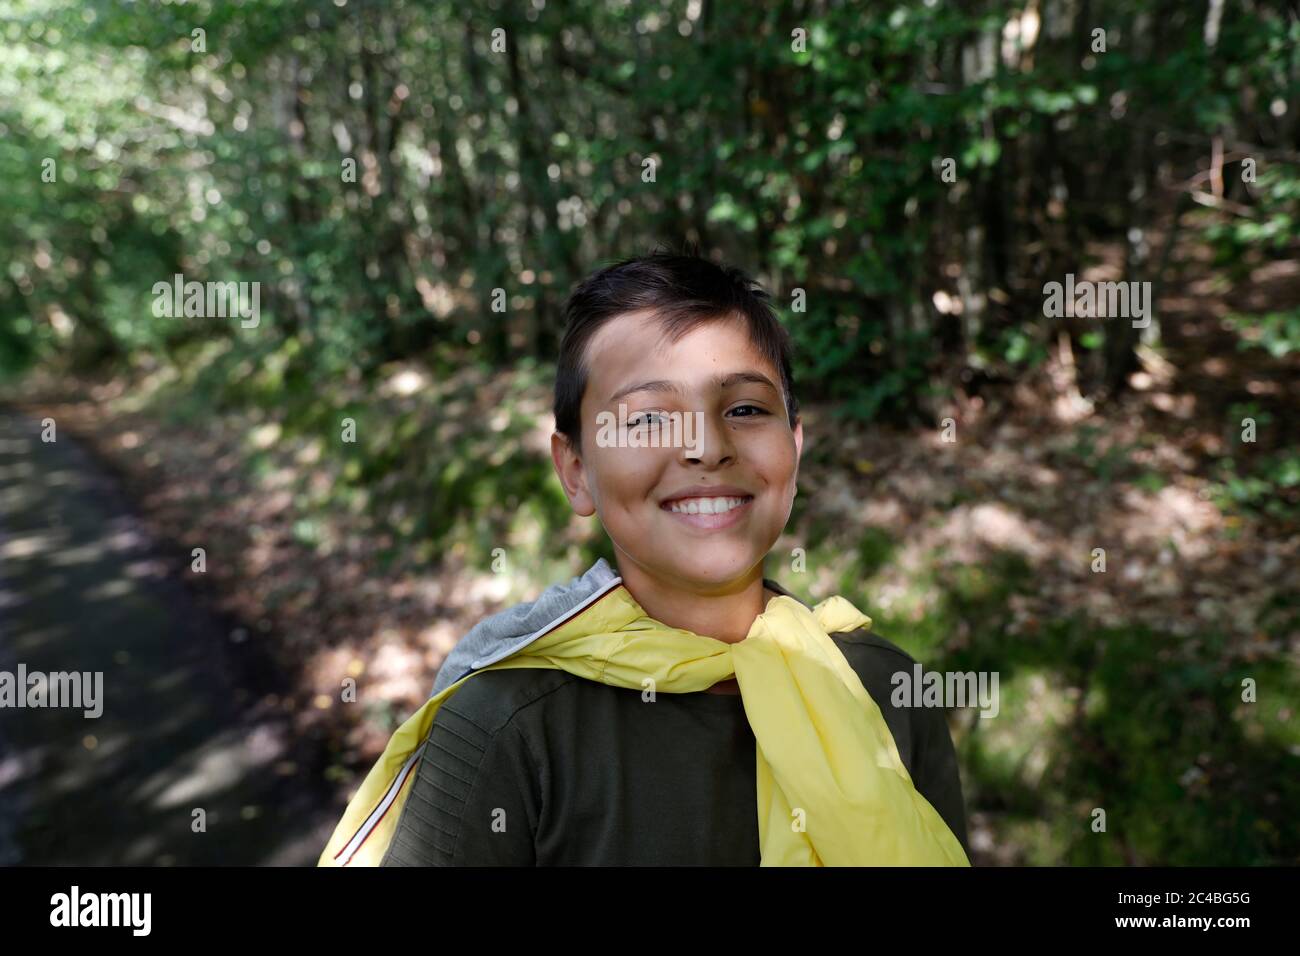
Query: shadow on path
x=187 y=724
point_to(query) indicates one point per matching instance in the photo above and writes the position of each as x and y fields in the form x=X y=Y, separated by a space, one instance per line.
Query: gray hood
x=498 y=636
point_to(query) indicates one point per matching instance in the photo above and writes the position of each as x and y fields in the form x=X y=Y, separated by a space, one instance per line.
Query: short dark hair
x=684 y=290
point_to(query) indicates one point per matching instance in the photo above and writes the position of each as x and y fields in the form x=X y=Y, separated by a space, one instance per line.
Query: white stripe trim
x=377 y=813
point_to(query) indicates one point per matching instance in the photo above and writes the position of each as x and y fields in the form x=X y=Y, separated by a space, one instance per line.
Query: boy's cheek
x=627 y=472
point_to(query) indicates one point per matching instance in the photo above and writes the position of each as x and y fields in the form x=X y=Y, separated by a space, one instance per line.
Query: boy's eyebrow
x=719 y=381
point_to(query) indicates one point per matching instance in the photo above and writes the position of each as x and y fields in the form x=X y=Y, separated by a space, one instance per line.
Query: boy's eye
x=646 y=418
x=756 y=411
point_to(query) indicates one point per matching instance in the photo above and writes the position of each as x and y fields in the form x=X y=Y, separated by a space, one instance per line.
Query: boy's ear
x=798 y=448
x=572 y=474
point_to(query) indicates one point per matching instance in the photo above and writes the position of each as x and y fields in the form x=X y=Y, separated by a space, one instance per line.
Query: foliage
x=807 y=144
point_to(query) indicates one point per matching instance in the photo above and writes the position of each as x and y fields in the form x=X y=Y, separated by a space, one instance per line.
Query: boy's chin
x=706 y=572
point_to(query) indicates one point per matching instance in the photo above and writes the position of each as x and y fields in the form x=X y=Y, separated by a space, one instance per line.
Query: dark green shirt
x=539 y=767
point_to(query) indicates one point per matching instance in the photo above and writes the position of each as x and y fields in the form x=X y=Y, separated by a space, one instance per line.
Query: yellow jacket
x=832 y=789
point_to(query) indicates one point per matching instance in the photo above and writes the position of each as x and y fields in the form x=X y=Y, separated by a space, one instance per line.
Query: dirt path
x=187 y=721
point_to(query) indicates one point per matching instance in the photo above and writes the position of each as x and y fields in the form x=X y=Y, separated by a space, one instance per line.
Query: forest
x=1039 y=260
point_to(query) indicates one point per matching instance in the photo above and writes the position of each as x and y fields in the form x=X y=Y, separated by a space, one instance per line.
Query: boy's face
x=744 y=447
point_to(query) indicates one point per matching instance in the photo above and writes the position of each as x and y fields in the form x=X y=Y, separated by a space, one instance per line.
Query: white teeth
x=705 y=506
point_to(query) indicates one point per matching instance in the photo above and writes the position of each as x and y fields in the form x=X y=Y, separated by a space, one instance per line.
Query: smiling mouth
x=709 y=514
x=707 y=506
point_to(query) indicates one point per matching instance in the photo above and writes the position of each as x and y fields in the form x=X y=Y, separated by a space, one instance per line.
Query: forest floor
x=1121 y=689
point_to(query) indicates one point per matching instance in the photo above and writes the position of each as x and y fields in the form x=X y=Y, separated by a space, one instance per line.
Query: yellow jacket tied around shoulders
x=832 y=789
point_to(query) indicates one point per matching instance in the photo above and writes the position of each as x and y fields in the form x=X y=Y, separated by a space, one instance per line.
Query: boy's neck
x=724 y=617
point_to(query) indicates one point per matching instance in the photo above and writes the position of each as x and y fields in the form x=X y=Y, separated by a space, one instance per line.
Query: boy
x=633 y=716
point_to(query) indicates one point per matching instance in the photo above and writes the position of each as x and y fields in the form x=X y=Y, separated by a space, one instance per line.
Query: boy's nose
x=712 y=445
